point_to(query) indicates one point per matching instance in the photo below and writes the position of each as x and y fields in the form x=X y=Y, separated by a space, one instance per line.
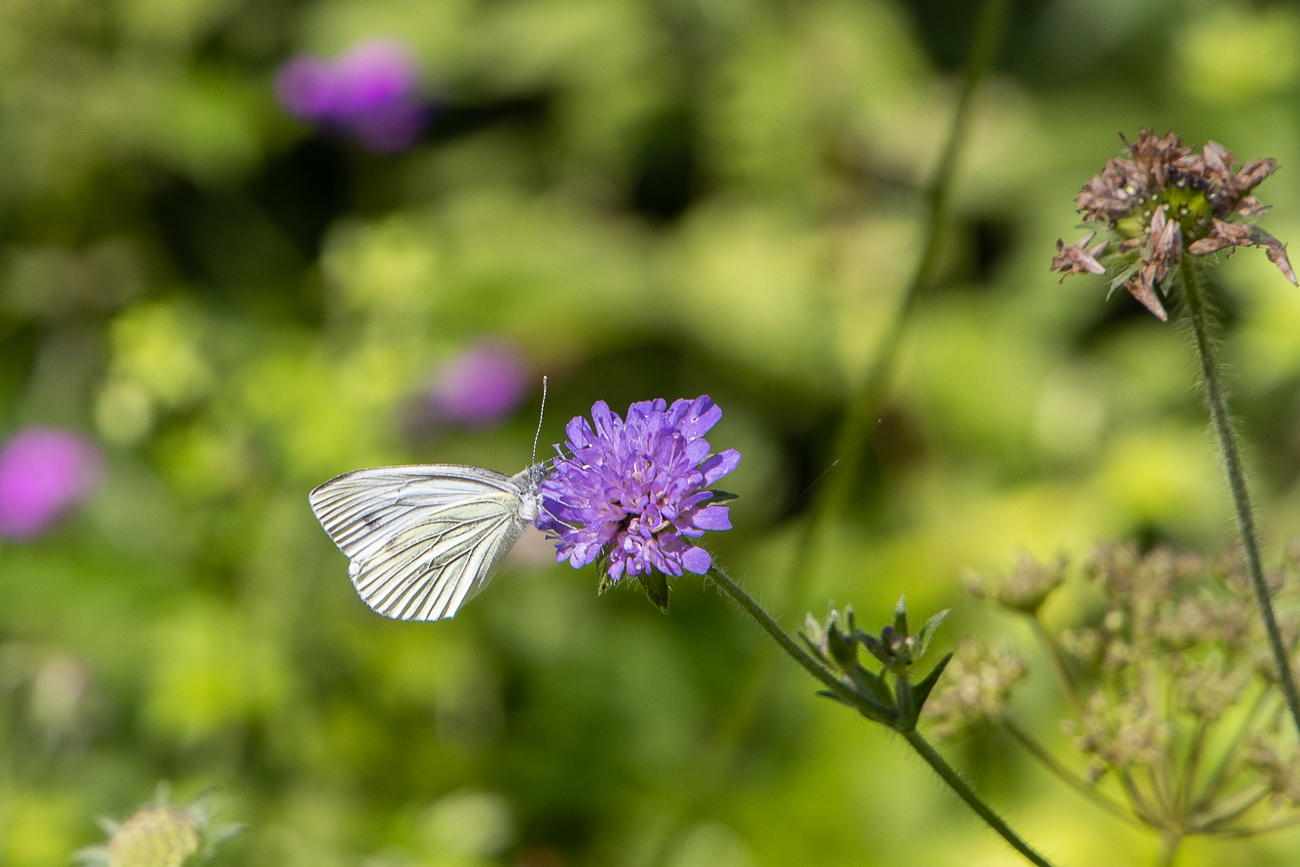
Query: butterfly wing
x=422 y=540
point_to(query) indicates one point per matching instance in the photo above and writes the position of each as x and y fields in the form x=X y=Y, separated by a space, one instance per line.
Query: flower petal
x=719 y=465
x=713 y=518
x=697 y=560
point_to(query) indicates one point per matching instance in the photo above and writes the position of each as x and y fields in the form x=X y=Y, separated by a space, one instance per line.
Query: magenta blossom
x=481 y=386
x=44 y=472
x=632 y=490
x=369 y=94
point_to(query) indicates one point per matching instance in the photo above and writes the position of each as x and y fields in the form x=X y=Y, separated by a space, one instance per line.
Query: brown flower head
x=1160 y=203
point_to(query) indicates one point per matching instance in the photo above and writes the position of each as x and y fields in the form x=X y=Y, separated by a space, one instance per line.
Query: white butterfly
x=424 y=540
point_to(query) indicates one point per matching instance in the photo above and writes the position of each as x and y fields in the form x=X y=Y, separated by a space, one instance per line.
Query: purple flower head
x=369 y=94
x=44 y=472
x=634 y=489
x=482 y=386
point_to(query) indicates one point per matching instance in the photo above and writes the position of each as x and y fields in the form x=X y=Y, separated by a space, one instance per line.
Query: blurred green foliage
x=652 y=198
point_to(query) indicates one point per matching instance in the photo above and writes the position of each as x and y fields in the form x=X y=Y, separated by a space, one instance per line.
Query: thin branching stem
x=1223 y=772
x=1266 y=828
x=1233 y=808
x=864 y=403
x=1169 y=850
x=810 y=664
x=1217 y=398
x=1057 y=655
x=1048 y=761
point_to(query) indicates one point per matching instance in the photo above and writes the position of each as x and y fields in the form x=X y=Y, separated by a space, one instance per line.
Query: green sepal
x=843 y=649
x=656 y=587
x=874 y=645
x=926 y=635
x=1121 y=279
x=900 y=617
x=721 y=496
x=921 y=690
x=606 y=582
x=870 y=683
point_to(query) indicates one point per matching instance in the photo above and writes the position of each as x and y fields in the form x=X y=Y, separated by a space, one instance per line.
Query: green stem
x=1057 y=656
x=1224 y=771
x=779 y=635
x=1170 y=850
x=840 y=690
x=1218 y=401
x=1048 y=761
x=848 y=440
x=967 y=794
x=865 y=401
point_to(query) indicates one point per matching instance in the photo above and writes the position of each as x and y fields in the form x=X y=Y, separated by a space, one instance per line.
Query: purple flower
x=481 y=386
x=44 y=472
x=634 y=489
x=369 y=94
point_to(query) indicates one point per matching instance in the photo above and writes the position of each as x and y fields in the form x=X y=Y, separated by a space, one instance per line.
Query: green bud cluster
x=888 y=694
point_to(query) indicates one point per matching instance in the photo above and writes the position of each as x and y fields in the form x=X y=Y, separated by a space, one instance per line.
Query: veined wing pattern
x=423 y=540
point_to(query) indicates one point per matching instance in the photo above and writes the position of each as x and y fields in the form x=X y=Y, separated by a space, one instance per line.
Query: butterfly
x=423 y=540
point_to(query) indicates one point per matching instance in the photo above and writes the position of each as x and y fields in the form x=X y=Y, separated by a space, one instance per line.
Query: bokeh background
x=246 y=245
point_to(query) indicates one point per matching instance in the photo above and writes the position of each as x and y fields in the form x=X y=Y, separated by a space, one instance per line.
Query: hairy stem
x=945 y=771
x=967 y=794
x=1217 y=398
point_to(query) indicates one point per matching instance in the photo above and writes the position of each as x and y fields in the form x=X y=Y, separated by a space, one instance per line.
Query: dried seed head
x=1122 y=734
x=975 y=687
x=1161 y=201
x=1025 y=588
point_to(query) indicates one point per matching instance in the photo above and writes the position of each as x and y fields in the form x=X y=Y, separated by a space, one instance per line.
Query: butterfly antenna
x=540 y=416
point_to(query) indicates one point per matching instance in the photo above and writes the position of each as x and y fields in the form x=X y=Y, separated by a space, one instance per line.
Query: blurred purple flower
x=635 y=488
x=481 y=386
x=44 y=472
x=369 y=94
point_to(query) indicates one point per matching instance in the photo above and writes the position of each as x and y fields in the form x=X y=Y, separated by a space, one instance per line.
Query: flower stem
x=848 y=696
x=958 y=785
x=1218 y=401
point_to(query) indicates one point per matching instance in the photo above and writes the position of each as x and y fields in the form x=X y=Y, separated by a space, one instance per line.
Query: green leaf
x=826 y=693
x=926 y=635
x=656 y=587
x=900 y=617
x=722 y=496
x=921 y=691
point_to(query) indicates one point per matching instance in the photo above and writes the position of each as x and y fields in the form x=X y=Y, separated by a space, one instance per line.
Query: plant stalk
x=1217 y=398
x=945 y=771
x=967 y=794
x=1048 y=761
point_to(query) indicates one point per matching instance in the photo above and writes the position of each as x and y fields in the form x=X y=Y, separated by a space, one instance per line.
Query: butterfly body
x=423 y=540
